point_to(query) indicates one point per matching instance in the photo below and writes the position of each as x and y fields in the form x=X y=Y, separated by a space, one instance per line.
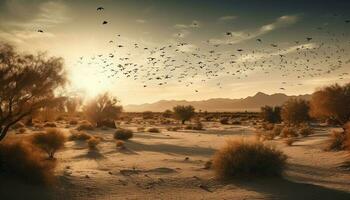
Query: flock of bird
x=317 y=56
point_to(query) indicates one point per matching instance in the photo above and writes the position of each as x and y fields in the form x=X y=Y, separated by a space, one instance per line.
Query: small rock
x=87 y=176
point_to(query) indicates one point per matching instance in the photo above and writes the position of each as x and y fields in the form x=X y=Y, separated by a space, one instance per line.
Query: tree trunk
x=3 y=132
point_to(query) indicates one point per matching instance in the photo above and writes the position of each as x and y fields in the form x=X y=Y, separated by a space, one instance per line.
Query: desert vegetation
x=123 y=134
x=184 y=113
x=49 y=141
x=248 y=158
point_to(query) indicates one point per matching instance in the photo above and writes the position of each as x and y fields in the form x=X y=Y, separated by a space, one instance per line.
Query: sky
x=186 y=49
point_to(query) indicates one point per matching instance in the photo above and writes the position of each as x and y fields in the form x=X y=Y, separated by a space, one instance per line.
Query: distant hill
x=251 y=103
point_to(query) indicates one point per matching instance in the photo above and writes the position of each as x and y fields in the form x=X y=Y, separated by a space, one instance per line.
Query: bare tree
x=332 y=102
x=27 y=84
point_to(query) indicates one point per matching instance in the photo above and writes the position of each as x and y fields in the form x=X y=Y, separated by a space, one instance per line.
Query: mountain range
x=250 y=103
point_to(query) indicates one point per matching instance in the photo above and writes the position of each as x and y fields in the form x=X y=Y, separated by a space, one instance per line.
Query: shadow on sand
x=13 y=189
x=170 y=149
x=95 y=154
x=284 y=189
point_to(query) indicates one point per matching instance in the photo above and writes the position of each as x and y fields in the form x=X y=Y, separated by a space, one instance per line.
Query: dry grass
x=85 y=125
x=140 y=129
x=50 y=125
x=289 y=141
x=50 y=141
x=277 y=129
x=197 y=126
x=21 y=131
x=174 y=128
x=73 y=122
x=248 y=158
x=224 y=121
x=305 y=131
x=154 y=130
x=120 y=144
x=93 y=143
x=267 y=126
x=338 y=141
x=79 y=135
x=123 y=134
x=26 y=162
x=288 y=132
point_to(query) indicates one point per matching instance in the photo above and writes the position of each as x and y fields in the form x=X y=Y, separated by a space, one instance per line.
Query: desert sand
x=170 y=165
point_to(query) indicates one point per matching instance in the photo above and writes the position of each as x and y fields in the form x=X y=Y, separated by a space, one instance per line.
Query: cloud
x=227 y=18
x=258 y=56
x=241 y=36
x=141 y=21
x=193 y=24
x=49 y=14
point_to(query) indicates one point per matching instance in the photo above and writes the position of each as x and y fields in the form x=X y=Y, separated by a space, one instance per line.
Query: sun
x=89 y=82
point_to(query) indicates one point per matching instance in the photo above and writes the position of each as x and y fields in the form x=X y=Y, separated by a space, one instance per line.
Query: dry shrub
x=50 y=124
x=295 y=111
x=248 y=158
x=277 y=129
x=22 y=131
x=109 y=123
x=73 y=122
x=305 y=131
x=236 y=122
x=23 y=160
x=147 y=115
x=332 y=102
x=208 y=164
x=289 y=141
x=123 y=134
x=288 y=132
x=224 y=121
x=174 y=128
x=140 y=129
x=18 y=125
x=339 y=140
x=50 y=141
x=120 y=144
x=267 y=126
x=103 y=107
x=197 y=126
x=85 y=125
x=79 y=135
x=153 y=130
x=271 y=114
x=92 y=143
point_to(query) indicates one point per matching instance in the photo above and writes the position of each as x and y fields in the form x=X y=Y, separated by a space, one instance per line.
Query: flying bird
x=104 y=22
x=100 y=8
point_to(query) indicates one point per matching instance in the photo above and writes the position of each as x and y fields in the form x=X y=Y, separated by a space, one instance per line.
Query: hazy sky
x=186 y=49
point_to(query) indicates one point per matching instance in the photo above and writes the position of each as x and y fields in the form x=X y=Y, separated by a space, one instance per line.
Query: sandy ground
x=169 y=165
